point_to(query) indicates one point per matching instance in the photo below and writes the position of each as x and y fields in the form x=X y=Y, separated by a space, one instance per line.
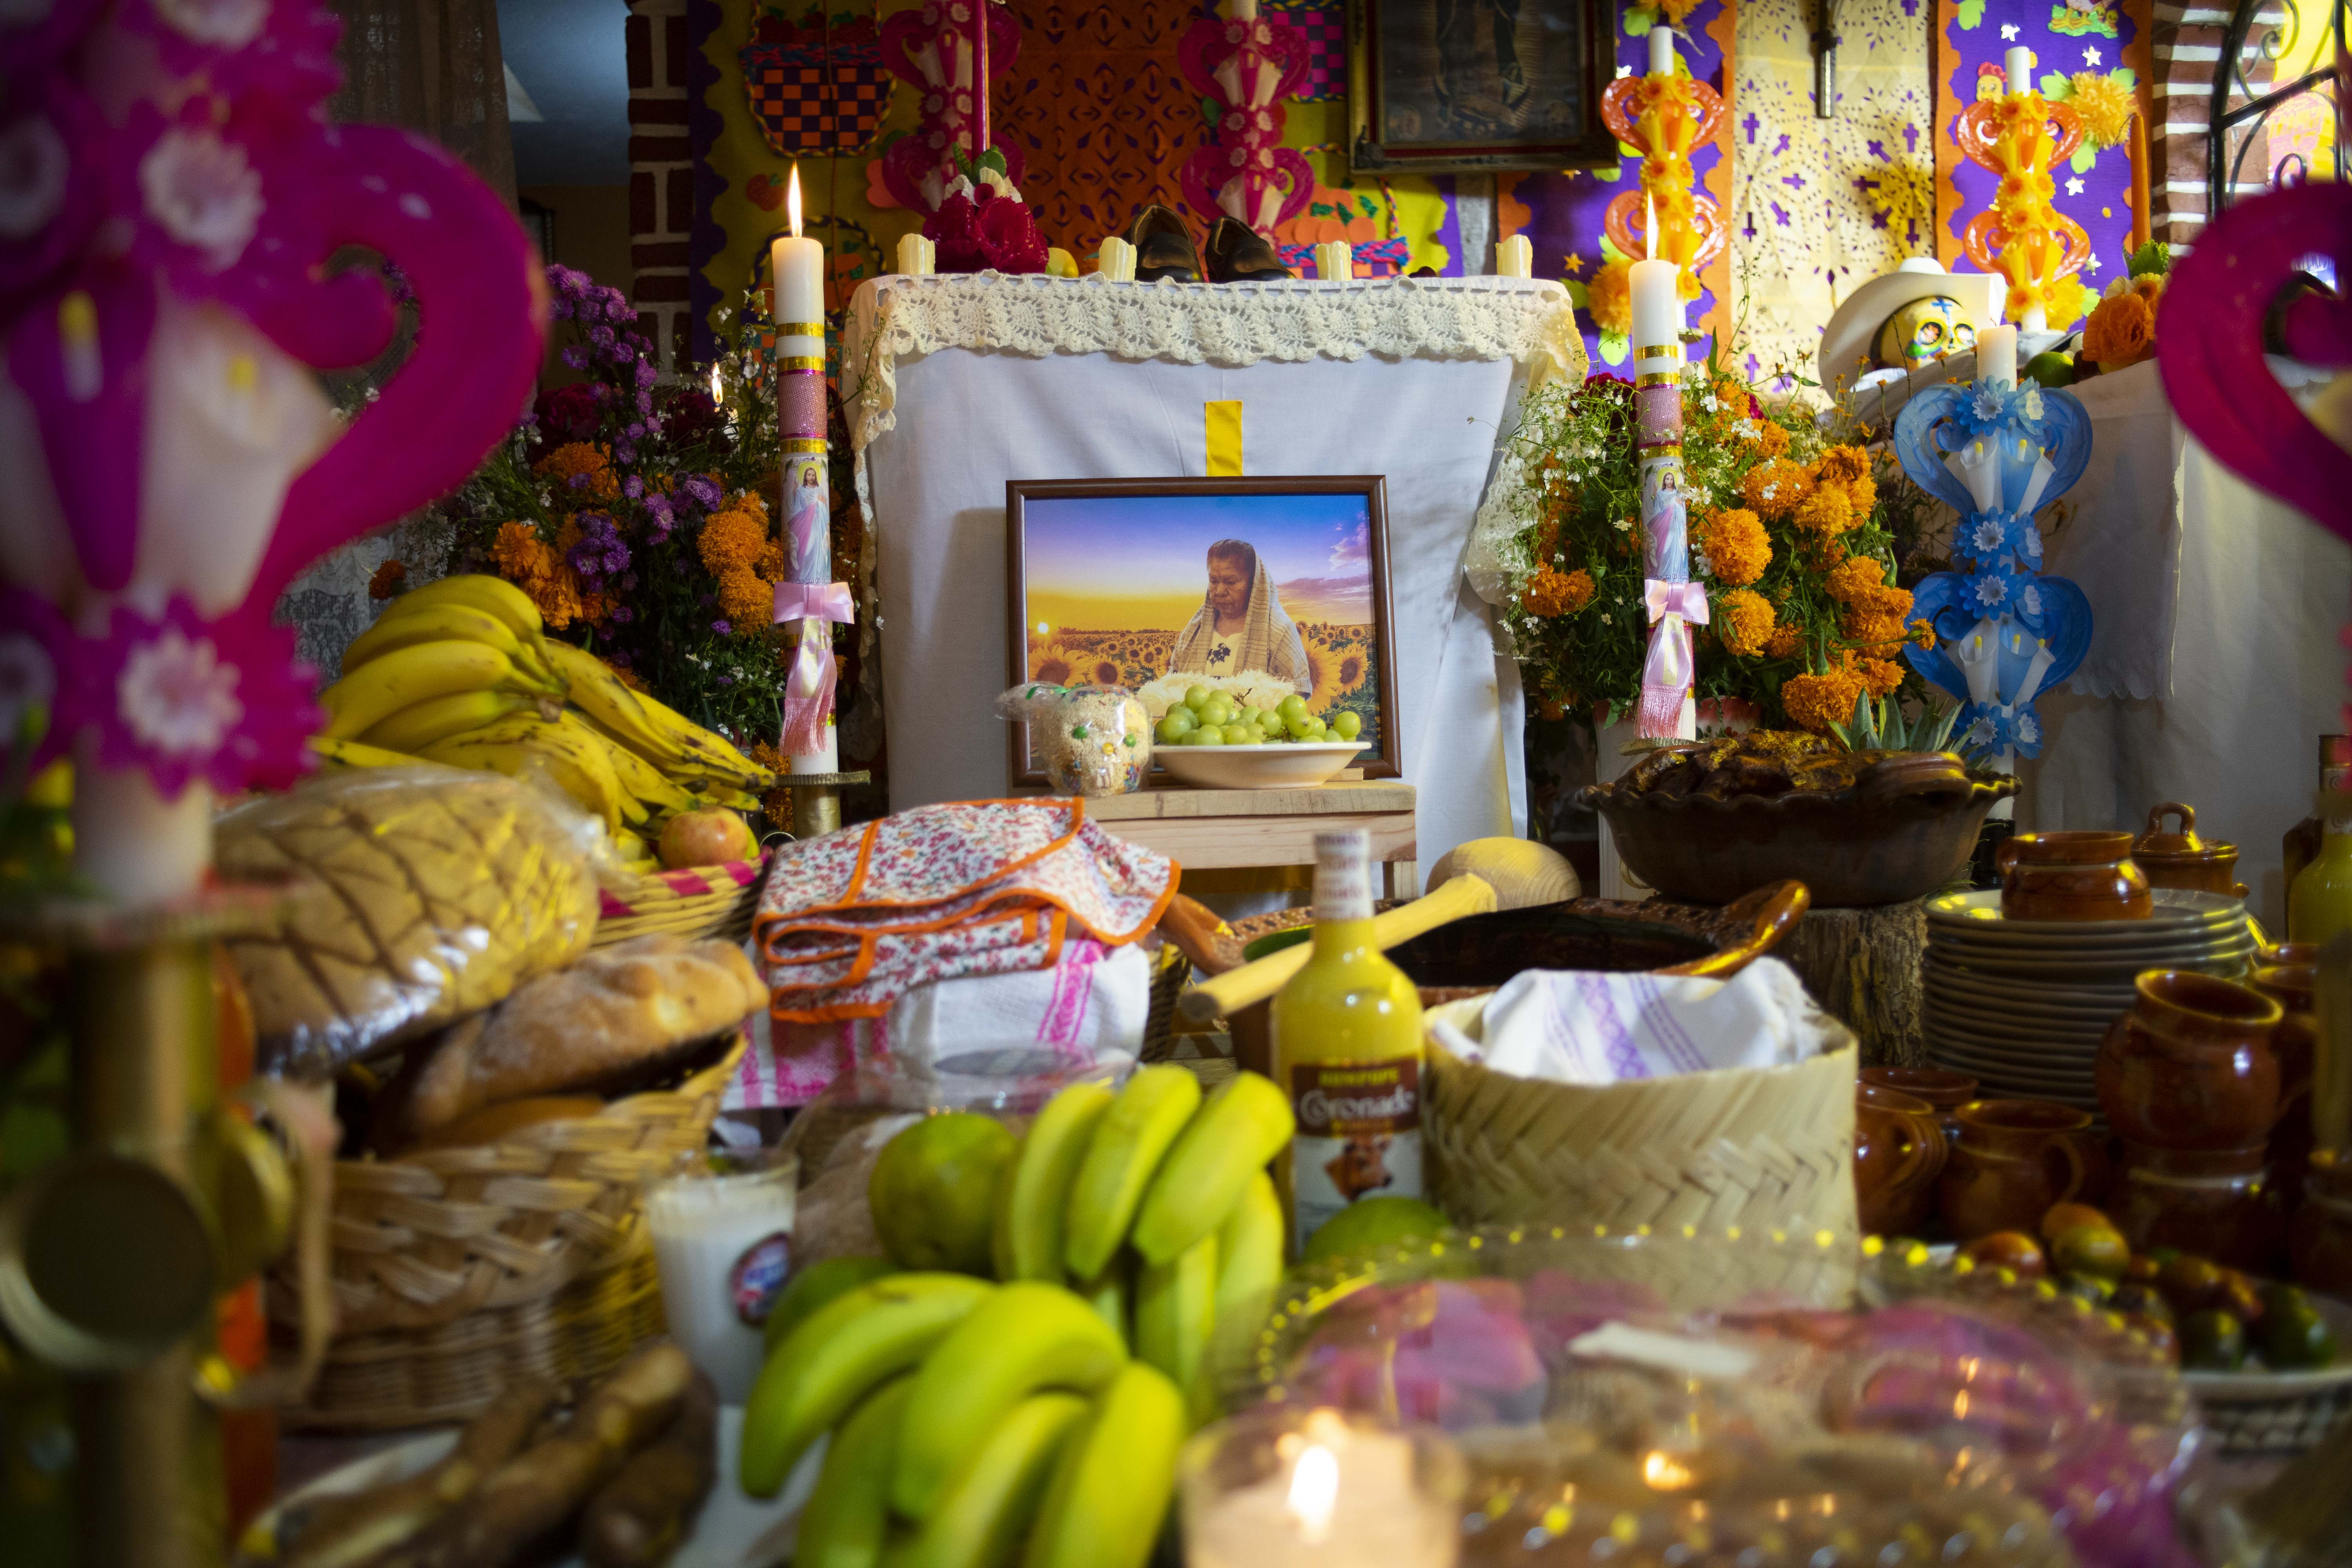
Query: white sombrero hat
x=1846 y=345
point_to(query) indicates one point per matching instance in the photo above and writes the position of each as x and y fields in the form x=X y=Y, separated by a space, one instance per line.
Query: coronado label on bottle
x=1358 y=1135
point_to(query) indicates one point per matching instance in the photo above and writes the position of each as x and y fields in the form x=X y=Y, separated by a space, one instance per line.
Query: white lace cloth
x=1525 y=320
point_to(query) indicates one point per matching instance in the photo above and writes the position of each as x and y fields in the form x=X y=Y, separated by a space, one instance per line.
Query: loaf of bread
x=615 y=1018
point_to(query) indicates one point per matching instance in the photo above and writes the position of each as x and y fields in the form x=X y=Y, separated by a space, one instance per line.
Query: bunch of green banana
x=972 y=1427
x=459 y=671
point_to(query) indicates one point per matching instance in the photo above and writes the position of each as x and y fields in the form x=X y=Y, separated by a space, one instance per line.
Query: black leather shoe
x=1164 y=247
x=1238 y=253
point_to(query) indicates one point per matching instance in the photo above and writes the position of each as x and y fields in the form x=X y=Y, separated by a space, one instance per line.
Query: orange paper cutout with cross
x=1665 y=117
x=2020 y=137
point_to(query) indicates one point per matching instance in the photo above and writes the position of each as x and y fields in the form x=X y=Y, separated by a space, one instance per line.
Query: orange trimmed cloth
x=850 y=922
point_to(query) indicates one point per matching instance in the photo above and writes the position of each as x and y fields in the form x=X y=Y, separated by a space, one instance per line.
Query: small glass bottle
x=2300 y=847
x=2319 y=900
x=1346 y=1048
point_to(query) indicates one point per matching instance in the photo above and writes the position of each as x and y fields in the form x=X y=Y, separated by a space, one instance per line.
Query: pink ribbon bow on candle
x=808 y=697
x=816 y=602
x=1687 y=600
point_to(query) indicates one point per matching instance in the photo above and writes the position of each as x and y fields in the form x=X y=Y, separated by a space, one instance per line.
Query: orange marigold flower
x=558 y=598
x=1609 y=297
x=1923 y=634
x=1861 y=495
x=771 y=562
x=2121 y=331
x=1816 y=701
x=629 y=678
x=520 y=555
x=1744 y=620
x=747 y=601
x=1735 y=546
x=1772 y=437
x=386 y=581
x=1550 y=593
x=1826 y=510
x=1878 y=676
x=1774 y=490
x=1841 y=466
x=1853 y=577
x=573 y=460
x=1786 y=639
x=730 y=541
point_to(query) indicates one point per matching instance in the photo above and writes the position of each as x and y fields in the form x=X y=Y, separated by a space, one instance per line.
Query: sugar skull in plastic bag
x=1091 y=740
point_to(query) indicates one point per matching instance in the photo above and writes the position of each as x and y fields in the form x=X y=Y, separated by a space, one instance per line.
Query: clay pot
x=1898 y=1153
x=1941 y=1087
x=2320 y=1240
x=2190 y=1066
x=2072 y=876
x=2295 y=1043
x=2014 y=1159
x=2182 y=859
x=2289 y=955
x=2213 y=1203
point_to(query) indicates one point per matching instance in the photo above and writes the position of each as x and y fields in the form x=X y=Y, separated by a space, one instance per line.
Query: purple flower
x=700 y=491
x=578 y=481
x=576 y=357
x=601 y=336
x=625 y=452
x=726 y=679
x=645 y=373
x=722 y=628
x=635 y=431
x=633 y=486
x=645 y=403
x=600 y=554
x=622 y=616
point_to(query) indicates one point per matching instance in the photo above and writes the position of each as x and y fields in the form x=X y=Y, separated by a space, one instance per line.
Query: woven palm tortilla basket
x=701 y=902
x=1760 y=1150
x=458 y=1270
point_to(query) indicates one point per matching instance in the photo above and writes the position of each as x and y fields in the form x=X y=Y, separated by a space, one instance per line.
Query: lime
x=933 y=1190
x=2295 y=1336
x=817 y=1285
x=2090 y=1249
x=2052 y=368
x=2212 y=1341
x=1369 y=1223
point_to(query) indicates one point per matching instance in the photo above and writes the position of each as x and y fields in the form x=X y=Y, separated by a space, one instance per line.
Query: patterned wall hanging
x=919 y=47
x=815 y=86
x=1564 y=214
x=1324 y=24
x=1820 y=207
x=2094 y=56
x=1240 y=65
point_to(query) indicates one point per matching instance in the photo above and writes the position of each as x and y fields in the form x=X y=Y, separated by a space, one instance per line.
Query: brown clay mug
x=2072 y=876
x=2295 y=1043
x=1941 y=1087
x=1898 y=1153
x=2182 y=859
x=2190 y=1066
x=2015 y=1158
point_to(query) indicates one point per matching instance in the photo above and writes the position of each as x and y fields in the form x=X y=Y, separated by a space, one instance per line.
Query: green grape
x=1218 y=709
x=1293 y=706
x=1206 y=735
x=1170 y=733
x=1197 y=697
x=1244 y=735
x=1347 y=725
x=1303 y=726
x=1183 y=718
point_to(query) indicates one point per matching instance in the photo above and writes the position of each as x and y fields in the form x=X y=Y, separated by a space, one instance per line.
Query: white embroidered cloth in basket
x=1583 y=1026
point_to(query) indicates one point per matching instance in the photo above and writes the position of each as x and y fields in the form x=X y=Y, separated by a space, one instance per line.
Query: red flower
x=992 y=231
x=568 y=414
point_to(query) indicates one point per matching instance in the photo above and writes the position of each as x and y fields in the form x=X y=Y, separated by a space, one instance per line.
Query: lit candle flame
x=1650 y=242
x=1662 y=1470
x=718 y=393
x=1314 y=1489
x=793 y=200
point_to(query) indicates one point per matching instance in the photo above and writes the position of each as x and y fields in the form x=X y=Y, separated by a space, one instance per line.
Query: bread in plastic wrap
x=420 y=895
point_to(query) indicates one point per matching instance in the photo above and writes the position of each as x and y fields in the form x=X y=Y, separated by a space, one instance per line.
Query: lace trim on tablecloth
x=1528 y=321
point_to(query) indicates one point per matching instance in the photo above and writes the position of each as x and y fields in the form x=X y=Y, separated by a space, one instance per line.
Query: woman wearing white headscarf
x=1240 y=625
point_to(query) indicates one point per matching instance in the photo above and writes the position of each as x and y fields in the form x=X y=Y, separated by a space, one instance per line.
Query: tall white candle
x=1997 y=354
x=1662 y=51
x=797 y=266
x=1657 y=301
x=2021 y=69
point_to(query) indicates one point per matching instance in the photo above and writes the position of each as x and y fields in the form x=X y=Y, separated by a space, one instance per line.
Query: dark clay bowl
x=1903 y=830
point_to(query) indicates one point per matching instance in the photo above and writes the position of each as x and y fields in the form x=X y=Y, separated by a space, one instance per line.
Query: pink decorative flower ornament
x=182 y=699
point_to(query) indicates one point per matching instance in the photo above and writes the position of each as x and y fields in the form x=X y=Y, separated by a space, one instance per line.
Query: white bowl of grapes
x=1214 y=738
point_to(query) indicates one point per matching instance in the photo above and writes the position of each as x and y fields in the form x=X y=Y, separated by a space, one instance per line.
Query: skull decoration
x=1923 y=331
x=1091 y=740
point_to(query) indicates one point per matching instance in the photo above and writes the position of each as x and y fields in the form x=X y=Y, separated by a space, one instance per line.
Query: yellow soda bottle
x=1348 y=1050
x=2320 y=904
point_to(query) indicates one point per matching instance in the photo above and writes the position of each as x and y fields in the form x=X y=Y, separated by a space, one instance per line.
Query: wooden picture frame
x=1406 y=114
x=1028 y=501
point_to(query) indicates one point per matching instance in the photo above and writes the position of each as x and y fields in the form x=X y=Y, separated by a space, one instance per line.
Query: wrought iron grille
x=2231 y=133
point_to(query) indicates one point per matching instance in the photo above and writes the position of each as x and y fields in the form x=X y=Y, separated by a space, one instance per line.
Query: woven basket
x=459 y=1270
x=702 y=902
x=1758 y=1148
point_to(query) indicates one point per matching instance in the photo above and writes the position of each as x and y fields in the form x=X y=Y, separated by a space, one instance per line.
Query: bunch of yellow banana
x=1139 y=1240
x=459 y=671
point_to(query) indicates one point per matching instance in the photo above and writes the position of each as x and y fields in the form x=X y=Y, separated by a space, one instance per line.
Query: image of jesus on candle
x=1241 y=624
x=808 y=521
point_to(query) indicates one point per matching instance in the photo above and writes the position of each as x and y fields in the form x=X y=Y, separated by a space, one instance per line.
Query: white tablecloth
x=2213 y=664
x=1432 y=381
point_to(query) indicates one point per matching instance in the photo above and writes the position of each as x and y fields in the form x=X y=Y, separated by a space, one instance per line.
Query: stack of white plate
x=2021 y=1005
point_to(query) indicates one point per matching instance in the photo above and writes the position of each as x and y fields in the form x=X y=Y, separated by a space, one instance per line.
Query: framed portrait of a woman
x=1262 y=589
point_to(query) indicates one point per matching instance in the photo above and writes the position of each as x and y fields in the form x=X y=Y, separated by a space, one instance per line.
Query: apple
x=706 y=837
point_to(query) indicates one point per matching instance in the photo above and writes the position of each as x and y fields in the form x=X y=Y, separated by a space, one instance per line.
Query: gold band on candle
x=800 y=445
x=1656 y=378
x=802 y=361
x=1663 y=449
x=1660 y=351
x=800 y=329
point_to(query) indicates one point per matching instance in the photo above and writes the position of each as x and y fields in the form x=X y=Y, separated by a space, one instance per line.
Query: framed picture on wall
x=1258 y=588
x=1442 y=85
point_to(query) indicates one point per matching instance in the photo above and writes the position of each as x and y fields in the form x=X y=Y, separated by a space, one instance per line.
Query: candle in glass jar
x=1997 y=354
x=1344 y=1496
